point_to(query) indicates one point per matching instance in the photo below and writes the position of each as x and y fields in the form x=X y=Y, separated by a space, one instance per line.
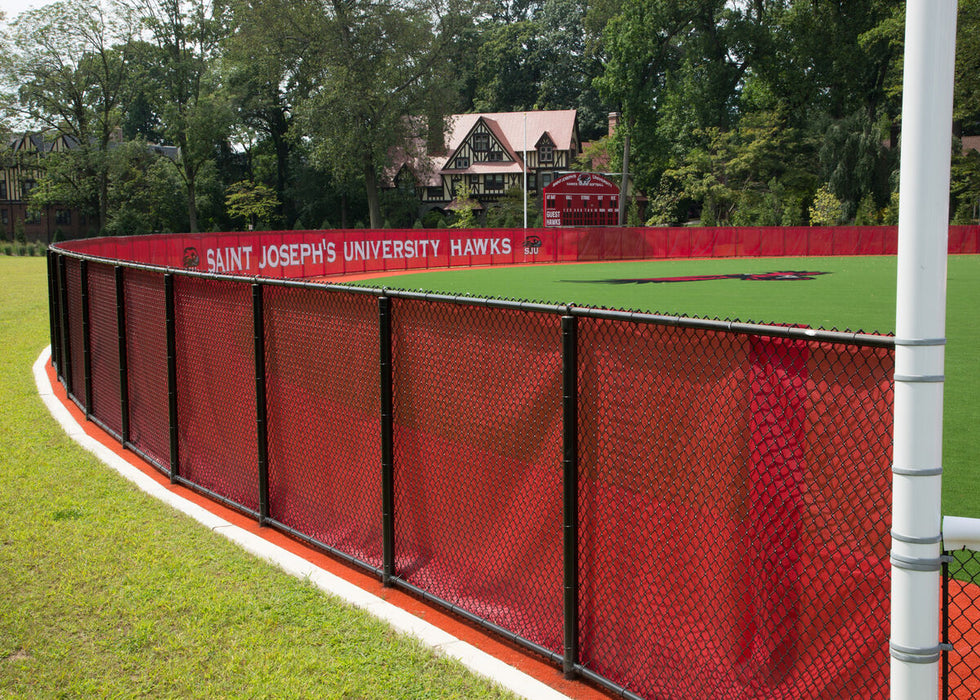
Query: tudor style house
x=489 y=153
x=20 y=169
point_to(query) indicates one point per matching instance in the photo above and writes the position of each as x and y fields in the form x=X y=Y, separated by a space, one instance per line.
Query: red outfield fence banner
x=670 y=508
x=305 y=254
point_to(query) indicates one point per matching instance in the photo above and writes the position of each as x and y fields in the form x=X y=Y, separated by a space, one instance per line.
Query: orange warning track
x=502 y=650
x=964 y=636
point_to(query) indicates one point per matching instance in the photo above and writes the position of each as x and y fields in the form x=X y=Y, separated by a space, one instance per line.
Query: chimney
x=613 y=122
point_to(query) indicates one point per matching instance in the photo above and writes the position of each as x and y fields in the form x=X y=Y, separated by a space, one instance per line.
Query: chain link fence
x=961 y=625
x=670 y=508
x=323 y=398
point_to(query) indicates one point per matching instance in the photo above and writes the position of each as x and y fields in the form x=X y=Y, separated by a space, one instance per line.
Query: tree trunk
x=191 y=202
x=374 y=202
x=624 y=193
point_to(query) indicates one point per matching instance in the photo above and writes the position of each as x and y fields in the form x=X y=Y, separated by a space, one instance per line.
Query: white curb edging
x=476 y=660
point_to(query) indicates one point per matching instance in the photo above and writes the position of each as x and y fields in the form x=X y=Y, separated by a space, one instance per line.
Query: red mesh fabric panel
x=216 y=388
x=478 y=462
x=734 y=528
x=146 y=359
x=104 y=339
x=662 y=441
x=794 y=240
x=324 y=417
x=777 y=378
x=76 y=336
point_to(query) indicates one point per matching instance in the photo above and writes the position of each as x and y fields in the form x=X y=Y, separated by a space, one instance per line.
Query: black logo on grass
x=191 y=258
x=782 y=276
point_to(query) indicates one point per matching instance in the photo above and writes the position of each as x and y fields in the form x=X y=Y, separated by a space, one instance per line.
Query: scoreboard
x=581 y=199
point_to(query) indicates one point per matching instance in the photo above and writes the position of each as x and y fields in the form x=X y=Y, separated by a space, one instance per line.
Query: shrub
x=826 y=209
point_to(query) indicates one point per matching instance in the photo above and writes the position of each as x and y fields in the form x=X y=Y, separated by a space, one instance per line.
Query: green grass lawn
x=105 y=592
x=857 y=293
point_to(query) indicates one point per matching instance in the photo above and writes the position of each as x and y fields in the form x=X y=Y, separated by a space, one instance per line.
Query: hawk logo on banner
x=532 y=244
x=783 y=276
x=191 y=258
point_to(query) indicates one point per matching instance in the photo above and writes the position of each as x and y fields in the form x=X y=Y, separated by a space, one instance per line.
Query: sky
x=12 y=8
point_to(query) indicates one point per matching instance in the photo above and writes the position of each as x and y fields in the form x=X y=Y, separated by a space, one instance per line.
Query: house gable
x=485 y=143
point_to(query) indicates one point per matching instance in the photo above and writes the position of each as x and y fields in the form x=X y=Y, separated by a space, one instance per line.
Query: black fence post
x=261 y=429
x=569 y=336
x=168 y=290
x=387 y=443
x=86 y=339
x=64 y=366
x=945 y=632
x=53 y=318
x=123 y=351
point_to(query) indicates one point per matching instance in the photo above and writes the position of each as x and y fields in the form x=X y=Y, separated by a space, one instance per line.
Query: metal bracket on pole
x=921 y=378
x=900 y=471
x=917 y=656
x=915 y=563
x=916 y=540
x=920 y=342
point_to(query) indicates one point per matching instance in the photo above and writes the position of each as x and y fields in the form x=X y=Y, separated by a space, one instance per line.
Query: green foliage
x=377 y=80
x=507 y=72
x=736 y=112
x=145 y=192
x=400 y=205
x=70 y=61
x=855 y=162
x=966 y=88
x=252 y=202
x=826 y=209
x=508 y=211
x=868 y=213
x=464 y=208
x=433 y=219
x=965 y=187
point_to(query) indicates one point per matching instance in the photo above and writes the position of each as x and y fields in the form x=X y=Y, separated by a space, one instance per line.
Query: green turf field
x=856 y=293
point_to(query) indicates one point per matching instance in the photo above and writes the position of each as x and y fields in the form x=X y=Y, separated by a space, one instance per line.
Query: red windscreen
x=218 y=447
x=146 y=357
x=734 y=513
x=104 y=339
x=324 y=417
x=477 y=408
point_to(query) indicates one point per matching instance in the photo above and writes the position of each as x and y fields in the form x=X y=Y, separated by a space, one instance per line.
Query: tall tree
x=645 y=44
x=261 y=79
x=376 y=79
x=567 y=69
x=966 y=96
x=187 y=35
x=70 y=61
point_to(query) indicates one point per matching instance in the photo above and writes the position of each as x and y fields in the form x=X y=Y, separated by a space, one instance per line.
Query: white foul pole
x=923 y=227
